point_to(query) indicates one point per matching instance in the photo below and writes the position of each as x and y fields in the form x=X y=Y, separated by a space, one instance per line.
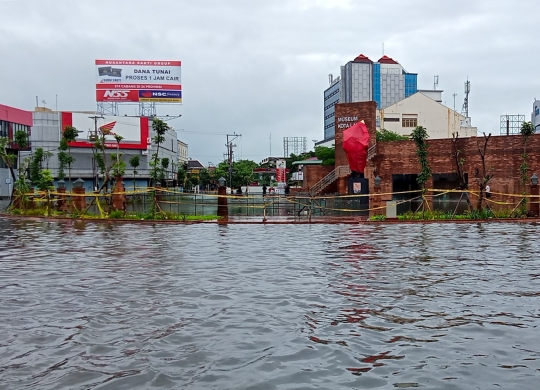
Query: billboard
x=135 y=130
x=138 y=81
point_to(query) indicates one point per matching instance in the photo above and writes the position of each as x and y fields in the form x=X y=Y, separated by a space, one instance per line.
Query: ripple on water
x=87 y=305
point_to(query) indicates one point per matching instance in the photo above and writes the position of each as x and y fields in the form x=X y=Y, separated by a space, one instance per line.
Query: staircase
x=341 y=171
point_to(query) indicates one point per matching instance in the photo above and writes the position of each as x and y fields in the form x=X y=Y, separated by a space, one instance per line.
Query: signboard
x=8 y=180
x=135 y=130
x=138 y=81
x=281 y=172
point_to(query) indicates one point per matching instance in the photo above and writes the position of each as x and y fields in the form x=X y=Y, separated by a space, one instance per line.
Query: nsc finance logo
x=160 y=96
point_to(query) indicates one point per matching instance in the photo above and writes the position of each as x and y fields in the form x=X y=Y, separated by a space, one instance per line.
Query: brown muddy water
x=87 y=305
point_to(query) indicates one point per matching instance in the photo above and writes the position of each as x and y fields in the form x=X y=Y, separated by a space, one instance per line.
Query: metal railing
x=372 y=151
x=341 y=171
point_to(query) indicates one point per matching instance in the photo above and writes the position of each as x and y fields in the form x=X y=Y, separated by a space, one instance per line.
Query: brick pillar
x=61 y=204
x=79 y=201
x=534 y=206
x=223 y=208
x=119 y=197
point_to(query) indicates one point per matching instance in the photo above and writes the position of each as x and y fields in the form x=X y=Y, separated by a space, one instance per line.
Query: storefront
x=11 y=120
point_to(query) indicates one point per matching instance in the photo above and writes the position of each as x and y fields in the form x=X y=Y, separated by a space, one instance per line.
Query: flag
x=106 y=128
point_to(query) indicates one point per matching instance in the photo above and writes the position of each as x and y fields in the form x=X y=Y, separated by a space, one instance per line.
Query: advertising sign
x=138 y=81
x=281 y=171
x=135 y=130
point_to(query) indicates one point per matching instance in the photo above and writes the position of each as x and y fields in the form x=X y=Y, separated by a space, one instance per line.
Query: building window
x=409 y=122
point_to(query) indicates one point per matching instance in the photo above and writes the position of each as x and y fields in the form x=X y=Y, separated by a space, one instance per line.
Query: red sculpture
x=355 y=144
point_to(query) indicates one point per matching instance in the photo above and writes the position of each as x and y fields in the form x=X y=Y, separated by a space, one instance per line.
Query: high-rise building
x=384 y=81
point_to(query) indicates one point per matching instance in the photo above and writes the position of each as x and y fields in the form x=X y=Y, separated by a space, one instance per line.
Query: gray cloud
x=260 y=67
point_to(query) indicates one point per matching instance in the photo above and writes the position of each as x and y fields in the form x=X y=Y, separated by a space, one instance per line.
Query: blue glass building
x=384 y=81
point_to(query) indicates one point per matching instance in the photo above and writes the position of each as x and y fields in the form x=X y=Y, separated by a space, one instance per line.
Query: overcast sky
x=259 y=68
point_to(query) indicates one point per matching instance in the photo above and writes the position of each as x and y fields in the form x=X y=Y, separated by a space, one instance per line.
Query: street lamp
x=377 y=181
x=534 y=179
x=78 y=183
x=61 y=184
x=221 y=181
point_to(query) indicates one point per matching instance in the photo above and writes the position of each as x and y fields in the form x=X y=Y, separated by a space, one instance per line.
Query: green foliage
x=165 y=163
x=21 y=138
x=134 y=162
x=157 y=171
x=388 y=135
x=116 y=214
x=419 y=136
x=182 y=174
x=45 y=181
x=8 y=158
x=242 y=172
x=326 y=154
x=100 y=161
x=70 y=133
x=36 y=162
x=119 y=165
x=63 y=162
x=378 y=217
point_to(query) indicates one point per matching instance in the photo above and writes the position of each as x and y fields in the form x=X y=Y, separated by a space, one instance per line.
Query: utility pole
x=230 y=155
x=94 y=137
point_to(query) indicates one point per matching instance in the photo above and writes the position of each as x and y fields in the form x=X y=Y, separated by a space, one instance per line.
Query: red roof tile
x=362 y=58
x=387 y=60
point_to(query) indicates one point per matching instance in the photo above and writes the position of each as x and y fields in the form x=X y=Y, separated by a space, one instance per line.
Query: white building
x=424 y=109
x=137 y=133
x=183 y=155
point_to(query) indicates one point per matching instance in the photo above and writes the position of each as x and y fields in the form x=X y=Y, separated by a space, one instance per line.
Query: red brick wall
x=314 y=173
x=366 y=111
x=503 y=158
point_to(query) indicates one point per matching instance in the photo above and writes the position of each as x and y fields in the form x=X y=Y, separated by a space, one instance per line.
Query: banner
x=138 y=81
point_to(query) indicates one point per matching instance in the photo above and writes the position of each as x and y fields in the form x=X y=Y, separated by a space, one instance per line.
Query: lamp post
x=534 y=204
x=78 y=189
x=376 y=204
x=223 y=208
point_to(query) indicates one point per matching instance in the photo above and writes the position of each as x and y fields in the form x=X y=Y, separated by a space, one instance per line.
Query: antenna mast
x=465 y=109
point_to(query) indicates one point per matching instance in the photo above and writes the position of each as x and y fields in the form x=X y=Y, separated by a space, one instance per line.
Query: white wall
x=439 y=120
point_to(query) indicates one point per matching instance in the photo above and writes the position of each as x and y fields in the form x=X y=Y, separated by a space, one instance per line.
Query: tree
x=419 y=136
x=9 y=159
x=134 y=162
x=389 y=135
x=160 y=128
x=527 y=129
x=460 y=161
x=69 y=134
x=36 y=163
x=326 y=154
x=486 y=177
x=242 y=172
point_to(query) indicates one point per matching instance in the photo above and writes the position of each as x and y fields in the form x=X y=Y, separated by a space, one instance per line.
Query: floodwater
x=88 y=305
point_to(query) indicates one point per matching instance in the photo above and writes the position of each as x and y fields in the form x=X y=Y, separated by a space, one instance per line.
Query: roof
x=387 y=60
x=194 y=164
x=362 y=58
x=15 y=115
x=308 y=162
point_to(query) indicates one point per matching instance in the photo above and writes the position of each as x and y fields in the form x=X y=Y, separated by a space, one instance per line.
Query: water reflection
x=86 y=305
